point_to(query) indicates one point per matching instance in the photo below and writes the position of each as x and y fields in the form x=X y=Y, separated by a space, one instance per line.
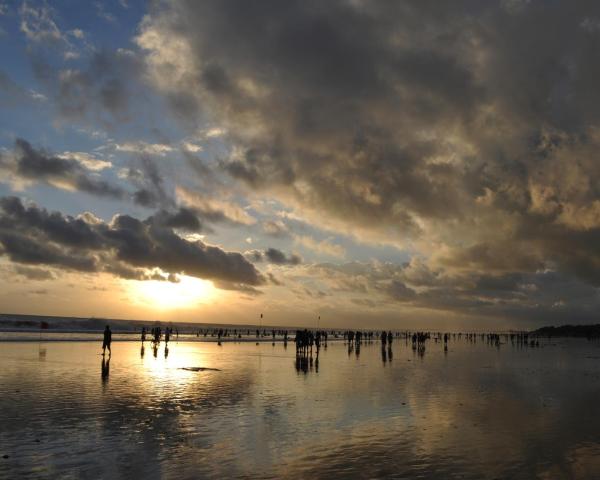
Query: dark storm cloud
x=37 y=165
x=464 y=131
x=126 y=246
x=150 y=183
x=144 y=244
x=183 y=218
x=378 y=105
x=23 y=249
x=30 y=164
x=330 y=97
x=471 y=123
x=152 y=191
x=278 y=257
x=274 y=256
x=73 y=232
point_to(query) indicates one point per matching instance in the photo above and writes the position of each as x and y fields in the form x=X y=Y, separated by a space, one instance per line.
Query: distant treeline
x=588 y=331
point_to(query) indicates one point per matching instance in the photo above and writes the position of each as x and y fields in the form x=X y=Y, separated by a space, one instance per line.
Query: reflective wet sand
x=473 y=412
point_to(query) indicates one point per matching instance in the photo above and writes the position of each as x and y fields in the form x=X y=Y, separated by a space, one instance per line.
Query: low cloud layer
x=126 y=247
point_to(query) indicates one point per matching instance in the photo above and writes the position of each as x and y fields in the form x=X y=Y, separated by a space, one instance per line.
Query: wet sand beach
x=242 y=410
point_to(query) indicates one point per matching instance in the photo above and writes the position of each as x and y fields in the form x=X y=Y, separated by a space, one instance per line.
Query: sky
x=415 y=164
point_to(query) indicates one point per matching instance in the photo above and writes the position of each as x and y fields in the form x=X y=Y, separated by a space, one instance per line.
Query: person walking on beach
x=106 y=341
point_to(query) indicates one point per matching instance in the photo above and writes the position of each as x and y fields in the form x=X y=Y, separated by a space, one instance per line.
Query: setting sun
x=186 y=293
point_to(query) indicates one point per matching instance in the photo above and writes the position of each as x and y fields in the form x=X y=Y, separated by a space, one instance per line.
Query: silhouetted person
x=105 y=369
x=143 y=334
x=106 y=341
x=156 y=333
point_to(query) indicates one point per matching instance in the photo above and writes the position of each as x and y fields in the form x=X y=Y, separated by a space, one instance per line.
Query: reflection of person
x=106 y=341
x=105 y=369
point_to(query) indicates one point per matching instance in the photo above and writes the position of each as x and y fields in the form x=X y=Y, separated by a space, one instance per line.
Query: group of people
x=156 y=333
x=306 y=340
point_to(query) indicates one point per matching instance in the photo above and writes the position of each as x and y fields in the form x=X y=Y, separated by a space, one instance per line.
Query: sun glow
x=187 y=293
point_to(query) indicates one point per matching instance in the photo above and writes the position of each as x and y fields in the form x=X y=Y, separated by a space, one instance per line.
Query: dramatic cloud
x=126 y=246
x=274 y=256
x=542 y=296
x=451 y=147
x=183 y=219
x=71 y=171
x=278 y=257
x=316 y=110
x=465 y=130
x=214 y=209
x=150 y=183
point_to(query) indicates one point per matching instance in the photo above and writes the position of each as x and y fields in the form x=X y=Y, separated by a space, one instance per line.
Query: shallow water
x=473 y=412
